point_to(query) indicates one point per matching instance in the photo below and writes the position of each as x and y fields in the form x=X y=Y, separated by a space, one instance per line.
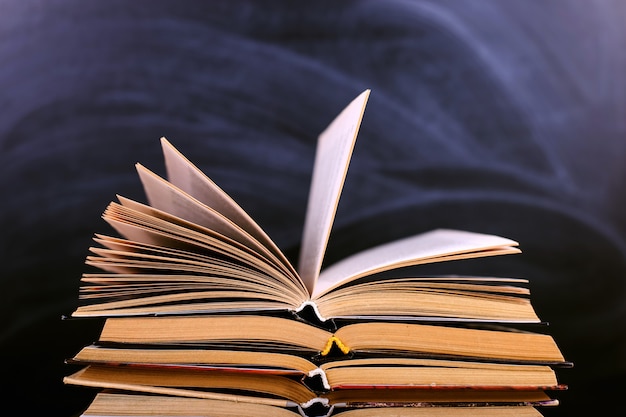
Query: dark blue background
x=503 y=117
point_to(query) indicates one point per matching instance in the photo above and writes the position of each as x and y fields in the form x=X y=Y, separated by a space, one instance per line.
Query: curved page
x=434 y=246
x=334 y=149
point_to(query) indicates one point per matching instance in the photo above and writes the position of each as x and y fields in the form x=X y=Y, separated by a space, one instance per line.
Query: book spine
x=308 y=313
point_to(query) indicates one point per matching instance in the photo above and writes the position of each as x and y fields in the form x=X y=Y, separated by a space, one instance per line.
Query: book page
x=219 y=405
x=186 y=176
x=166 y=197
x=465 y=411
x=334 y=149
x=141 y=223
x=437 y=245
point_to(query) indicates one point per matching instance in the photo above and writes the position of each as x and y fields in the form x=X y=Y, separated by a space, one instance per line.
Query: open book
x=468 y=384
x=120 y=404
x=368 y=372
x=194 y=250
x=201 y=305
x=259 y=333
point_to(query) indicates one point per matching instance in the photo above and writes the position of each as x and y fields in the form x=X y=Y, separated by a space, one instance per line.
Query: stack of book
x=204 y=315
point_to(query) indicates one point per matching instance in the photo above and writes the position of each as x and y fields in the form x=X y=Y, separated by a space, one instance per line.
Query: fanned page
x=434 y=246
x=188 y=178
x=334 y=149
x=164 y=196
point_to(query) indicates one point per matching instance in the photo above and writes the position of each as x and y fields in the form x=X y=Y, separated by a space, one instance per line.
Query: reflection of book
x=119 y=404
x=194 y=273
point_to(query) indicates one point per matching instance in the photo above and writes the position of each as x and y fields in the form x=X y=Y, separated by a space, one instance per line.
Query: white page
x=166 y=197
x=411 y=251
x=334 y=149
x=186 y=176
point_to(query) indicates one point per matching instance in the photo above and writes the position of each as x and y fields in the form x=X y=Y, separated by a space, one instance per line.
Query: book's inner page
x=225 y=331
x=434 y=246
x=166 y=197
x=448 y=298
x=334 y=149
x=258 y=388
x=187 y=177
x=169 y=265
x=124 y=405
x=246 y=360
x=433 y=374
x=450 y=341
x=521 y=410
x=140 y=278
